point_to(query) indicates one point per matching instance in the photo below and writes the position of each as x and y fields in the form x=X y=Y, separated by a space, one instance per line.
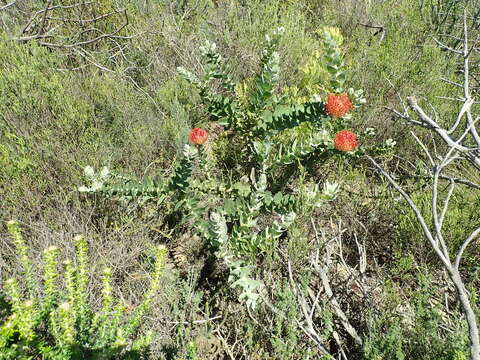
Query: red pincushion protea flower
x=198 y=136
x=338 y=105
x=345 y=140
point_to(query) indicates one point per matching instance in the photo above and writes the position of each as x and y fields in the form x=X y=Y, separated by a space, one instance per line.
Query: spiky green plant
x=60 y=324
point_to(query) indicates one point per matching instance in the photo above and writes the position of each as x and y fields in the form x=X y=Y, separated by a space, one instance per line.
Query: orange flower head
x=338 y=105
x=198 y=136
x=345 y=140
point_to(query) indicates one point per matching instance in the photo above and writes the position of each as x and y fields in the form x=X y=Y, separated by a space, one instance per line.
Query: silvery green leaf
x=262 y=148
x=390 y=143
x=323 y=136
x=104 y=173
x=253 y=177
x=330 y=190
x=219 y=227
x=84 y=189
x=187 y=75
x=289 y=219
x=209 y=47
x=279 y=31
x=96 y=185
x=258 y=146
x=89 y=171
x=190 y=151
x=262 y=182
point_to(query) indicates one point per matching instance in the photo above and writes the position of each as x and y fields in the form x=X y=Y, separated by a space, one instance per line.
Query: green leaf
x=242 y=188
x=229 y=207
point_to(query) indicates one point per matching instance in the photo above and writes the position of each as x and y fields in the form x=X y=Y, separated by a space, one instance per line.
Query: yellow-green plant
x=51 y=321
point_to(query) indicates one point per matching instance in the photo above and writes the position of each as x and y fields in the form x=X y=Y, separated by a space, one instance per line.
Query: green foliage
x=61 y=324
x=248 y=214
x=461 y=216
x=444 y=16
x=14 y=155
x=421 y=330
x=285 y=339
x=335 y=66
x=135 y=117
x=47 y=112
x=253 y=109
x=33 y=102
x=109 y=184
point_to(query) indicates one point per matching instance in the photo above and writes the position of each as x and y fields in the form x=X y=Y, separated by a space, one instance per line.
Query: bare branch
x=25 y=28
x=451 y=187
x=112 y=35
x=320 y=271
x=466 y=107
x=408 y=118
x=466 y=79
x=439 y=130
x=380 y=30
x=452 y=82
x=436 y=222
x=309 y=330
x=445 y=260
x=465 y=244
x=100 y=17
x=446 y=47
x=425 y=150
x=6 y=6
x=460 y=181
x=85 y=28
x=458 y=149
x=450 y=98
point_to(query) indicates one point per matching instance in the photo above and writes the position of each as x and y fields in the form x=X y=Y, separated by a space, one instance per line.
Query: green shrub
x=461 y=214
x=390 y=64
x=46 y=112
x=421 y=329
x=56 y=321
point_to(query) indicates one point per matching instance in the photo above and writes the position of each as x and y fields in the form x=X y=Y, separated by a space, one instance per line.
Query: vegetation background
x=119 y=102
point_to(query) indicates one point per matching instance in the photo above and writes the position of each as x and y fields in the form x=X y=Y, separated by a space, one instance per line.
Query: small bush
x=421 y=329
x=55 y=321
